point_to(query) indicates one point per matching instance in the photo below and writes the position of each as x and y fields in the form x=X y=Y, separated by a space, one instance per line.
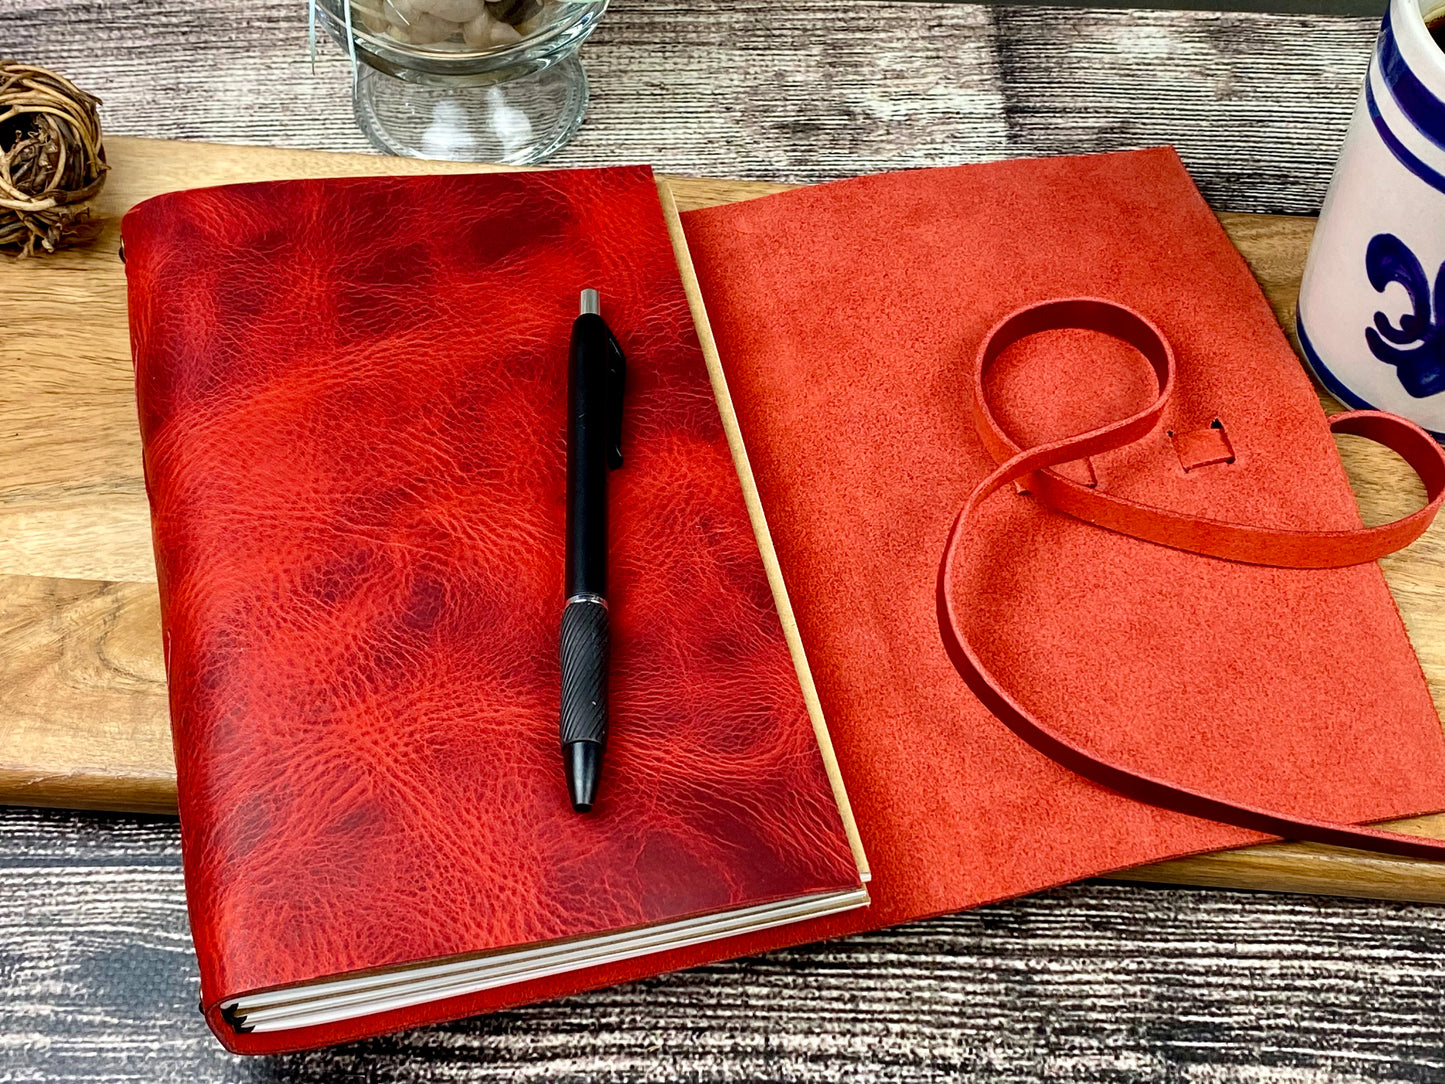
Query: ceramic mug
x=1371 y=314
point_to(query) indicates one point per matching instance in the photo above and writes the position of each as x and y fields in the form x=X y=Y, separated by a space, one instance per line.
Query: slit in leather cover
x=1203 y=447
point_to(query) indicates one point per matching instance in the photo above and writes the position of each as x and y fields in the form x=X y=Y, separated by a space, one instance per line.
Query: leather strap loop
x=1229 y=541
x=1278 y=547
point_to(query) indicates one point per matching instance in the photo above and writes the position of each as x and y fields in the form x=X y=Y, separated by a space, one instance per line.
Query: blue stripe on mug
x=1425 y=111
x=1406 y=157
x=1330 y=380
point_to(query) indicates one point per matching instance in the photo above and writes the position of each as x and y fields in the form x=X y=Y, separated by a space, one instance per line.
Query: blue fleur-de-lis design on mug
x=1416 y=348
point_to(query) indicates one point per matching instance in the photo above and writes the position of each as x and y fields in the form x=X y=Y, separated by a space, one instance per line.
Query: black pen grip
x=584 y=672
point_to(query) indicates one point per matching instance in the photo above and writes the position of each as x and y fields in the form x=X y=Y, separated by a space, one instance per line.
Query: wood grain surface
x=1100 y=982
x=83 y=721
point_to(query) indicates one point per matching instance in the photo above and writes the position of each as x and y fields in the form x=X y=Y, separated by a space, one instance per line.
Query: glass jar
x=468 y=80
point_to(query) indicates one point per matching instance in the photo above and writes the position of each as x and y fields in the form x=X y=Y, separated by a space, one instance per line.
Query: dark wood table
x=1099 y=982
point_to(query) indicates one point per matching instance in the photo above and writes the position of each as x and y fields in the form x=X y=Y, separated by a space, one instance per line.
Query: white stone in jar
x=371 y=18
x=477 y=33
x=416 y=27
x=453 y=11
x=539 y=18
x=502 y=34
x=485 y=32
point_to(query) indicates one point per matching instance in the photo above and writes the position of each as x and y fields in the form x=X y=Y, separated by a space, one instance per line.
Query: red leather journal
x=352 y=398
x=342 y=385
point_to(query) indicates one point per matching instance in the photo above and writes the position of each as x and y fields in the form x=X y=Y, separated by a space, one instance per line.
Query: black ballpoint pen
x=596 y=373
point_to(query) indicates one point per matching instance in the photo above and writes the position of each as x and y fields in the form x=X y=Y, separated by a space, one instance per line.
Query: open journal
x=351 y=396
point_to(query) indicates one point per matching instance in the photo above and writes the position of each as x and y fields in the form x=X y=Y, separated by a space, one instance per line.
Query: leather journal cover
x=352 y=397
x=845 y=319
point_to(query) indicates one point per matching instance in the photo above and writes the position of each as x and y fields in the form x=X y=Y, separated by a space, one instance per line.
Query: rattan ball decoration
x=52 y=163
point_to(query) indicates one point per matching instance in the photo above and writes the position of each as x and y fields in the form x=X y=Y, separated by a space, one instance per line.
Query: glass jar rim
x=586 y=12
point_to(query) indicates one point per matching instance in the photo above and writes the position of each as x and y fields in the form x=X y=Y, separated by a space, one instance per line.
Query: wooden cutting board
x=83 y=718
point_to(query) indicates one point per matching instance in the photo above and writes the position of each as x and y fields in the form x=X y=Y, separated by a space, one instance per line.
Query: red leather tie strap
x=1215 y=538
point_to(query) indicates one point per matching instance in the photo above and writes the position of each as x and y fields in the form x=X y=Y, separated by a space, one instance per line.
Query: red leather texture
x=352 y=401
x=1282 y=548
x=847 y=318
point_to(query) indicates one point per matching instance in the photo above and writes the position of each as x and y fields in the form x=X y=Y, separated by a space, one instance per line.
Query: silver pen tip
x=591 y=303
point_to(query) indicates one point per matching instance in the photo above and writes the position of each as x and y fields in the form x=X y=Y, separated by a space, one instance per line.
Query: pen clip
x=616 y=383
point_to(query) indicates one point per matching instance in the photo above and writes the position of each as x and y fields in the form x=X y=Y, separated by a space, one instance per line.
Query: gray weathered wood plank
x=1092 y=983
x=819 y=89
